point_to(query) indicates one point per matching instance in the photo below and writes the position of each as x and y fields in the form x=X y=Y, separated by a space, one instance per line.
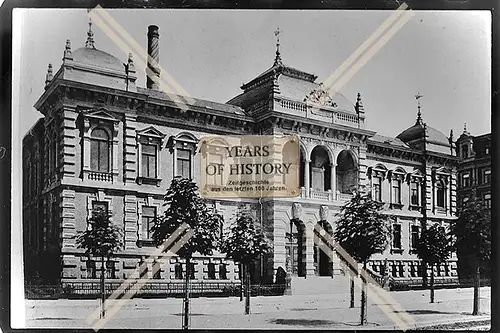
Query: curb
x=428 y=323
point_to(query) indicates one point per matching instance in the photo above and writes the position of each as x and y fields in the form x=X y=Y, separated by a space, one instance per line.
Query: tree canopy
x=184 y=205
x=472 y=231
x=362 y=228
x=102 y=238
x=243 y=241
x=434 y=245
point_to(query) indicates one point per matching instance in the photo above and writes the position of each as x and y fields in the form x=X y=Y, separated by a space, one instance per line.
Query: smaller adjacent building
x=474 y=175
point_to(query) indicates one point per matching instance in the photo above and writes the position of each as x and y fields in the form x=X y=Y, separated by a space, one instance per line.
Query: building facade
x=474 y=174
x=105 y=142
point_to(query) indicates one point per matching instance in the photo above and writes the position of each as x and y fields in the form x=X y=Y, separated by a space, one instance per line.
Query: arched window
x=99 y=150
x=440 y=194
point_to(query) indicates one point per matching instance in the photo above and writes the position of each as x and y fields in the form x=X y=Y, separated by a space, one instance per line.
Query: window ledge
x=396 y=206
x=148 y=181
x=415 y=207
x=398 y=251
x=145 y=242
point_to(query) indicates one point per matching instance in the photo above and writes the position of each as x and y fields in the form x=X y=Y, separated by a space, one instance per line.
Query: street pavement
x=324 y=311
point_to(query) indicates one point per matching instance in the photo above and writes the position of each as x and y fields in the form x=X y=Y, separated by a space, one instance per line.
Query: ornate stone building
x=105 y=142
x=475 y=178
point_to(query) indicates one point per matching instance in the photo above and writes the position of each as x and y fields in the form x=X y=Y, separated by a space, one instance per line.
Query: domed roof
x=95 y=57
x=417 y=131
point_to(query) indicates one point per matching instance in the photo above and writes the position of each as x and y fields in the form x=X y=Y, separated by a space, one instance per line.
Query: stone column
x=333 y=178
x=307 y=181
x=309 y=249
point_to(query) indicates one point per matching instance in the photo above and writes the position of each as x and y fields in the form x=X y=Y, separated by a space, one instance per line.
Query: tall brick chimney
x=153 y=69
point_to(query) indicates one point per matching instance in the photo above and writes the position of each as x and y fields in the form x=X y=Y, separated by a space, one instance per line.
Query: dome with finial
x=90 y=55
x=422 y=132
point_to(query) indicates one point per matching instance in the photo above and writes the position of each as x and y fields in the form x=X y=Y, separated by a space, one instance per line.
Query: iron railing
x=148 y=290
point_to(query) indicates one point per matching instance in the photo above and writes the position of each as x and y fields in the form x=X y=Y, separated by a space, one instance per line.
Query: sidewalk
x=279 y=312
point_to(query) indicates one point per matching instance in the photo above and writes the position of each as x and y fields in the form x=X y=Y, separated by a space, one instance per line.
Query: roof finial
x=277 y=59
x=419 y=114
x=49 y=76
x=465 y=129
x=90 y=34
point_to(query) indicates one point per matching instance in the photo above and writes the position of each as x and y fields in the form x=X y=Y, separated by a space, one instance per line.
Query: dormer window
x=150 y=141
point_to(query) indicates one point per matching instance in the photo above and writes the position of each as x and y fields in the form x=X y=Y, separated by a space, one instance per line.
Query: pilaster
x=68 y=135
x=68 y=228
x=130 y=224
x=130 y=149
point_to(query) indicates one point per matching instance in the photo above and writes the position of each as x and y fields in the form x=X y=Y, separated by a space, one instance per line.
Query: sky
x=445 y=56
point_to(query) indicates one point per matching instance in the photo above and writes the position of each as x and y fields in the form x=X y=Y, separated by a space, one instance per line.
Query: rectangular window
x=91 y=271
x=396 y=191
x=222 y=272
x=441 y=194
x=396 y=236
x=377 y=194
x=184 y=163
x=414 y=236
x=149 y=161
x=110 y=269
x=156 y=270
x=466 y=180
x=148 y=218
x=100 y=205
x=414 y=193
x=487 y=200
x=487 y=176
x=211 y=271
x=55 y=224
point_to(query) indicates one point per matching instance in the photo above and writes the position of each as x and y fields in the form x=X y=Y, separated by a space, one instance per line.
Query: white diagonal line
x=128 y=45
x=381 y=297
x=138 y=271
x=332 y=78
x=371 y=52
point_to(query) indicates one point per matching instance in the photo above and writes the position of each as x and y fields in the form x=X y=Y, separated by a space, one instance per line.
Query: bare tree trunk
x=432 y=283
x=363 y=295
x=241 y=281
x=185 y=323
x=424 y=274
x=351 y=274
x=103 y=290
x=247 y=289
x=477 y=279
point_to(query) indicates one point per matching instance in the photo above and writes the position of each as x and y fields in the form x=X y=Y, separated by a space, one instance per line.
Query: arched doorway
x=320 y=170
x=296 y=247
x=323 y=264
x=347 y=172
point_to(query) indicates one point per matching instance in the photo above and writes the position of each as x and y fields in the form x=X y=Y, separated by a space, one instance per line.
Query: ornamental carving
x=296 y=210
x=323 y=213
x=320 y=96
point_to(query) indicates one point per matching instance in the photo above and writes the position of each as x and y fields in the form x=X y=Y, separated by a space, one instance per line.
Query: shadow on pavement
x=314 y=322
x=424 y=312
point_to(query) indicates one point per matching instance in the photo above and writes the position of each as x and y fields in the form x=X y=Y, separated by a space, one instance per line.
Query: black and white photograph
x=386 y=221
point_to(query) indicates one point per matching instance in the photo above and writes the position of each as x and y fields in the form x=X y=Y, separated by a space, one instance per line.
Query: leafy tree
x=362 y=231
x=186 y=206
x=434 y=248
x=472 y=233
x=244 y=243
x=101 y=239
